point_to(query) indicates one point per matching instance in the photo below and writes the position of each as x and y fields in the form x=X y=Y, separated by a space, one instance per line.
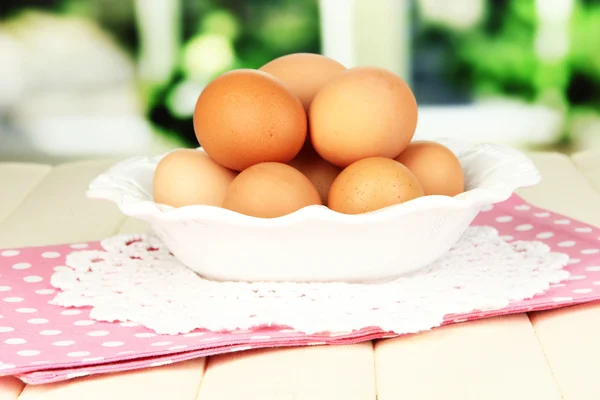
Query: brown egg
x=371 y=184
x=245 y=117
x=318 y=171
x=435 y=166
x=362 y=112
x=270 y=190
x=304 y=73
x=186 y=177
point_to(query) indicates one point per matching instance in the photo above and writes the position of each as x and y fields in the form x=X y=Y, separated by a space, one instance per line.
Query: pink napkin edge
x=365 y=334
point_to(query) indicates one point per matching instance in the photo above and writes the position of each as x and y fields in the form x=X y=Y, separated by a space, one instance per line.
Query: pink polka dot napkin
x=41 y=343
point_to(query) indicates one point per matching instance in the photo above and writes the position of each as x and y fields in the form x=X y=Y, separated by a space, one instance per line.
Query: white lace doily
x=136 y=279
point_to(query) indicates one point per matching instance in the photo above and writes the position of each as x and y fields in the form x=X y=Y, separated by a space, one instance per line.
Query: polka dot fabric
x=43 y=343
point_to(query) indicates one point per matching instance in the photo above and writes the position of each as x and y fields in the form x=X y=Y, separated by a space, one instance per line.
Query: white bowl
x=316 y=244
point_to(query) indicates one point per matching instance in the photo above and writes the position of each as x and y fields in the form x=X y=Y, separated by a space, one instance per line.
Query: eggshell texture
x=320 y=172
x=435 y=166
x=186 y=177
x=371 y=184
x=362 y=112
x=245 y=117
x=304 y=73
x=270 y=190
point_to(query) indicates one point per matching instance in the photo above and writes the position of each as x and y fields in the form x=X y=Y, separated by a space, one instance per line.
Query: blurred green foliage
x=499 y=58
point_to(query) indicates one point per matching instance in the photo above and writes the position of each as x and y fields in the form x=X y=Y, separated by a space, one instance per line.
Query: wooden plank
x=588 y=162
x=16 y=182
x=57 y=211
x=134 y=225
x=564 y=189
x=178 y=381
x=569 y=336
x=309 y=373
x=497 y=358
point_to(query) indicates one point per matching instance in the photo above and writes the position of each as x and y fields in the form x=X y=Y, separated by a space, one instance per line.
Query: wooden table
x=540 y=356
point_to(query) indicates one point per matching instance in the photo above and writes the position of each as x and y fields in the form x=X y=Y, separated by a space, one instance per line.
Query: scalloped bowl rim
x=144 y=209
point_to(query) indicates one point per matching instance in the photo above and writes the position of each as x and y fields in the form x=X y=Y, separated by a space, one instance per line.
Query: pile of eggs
x=305 y=130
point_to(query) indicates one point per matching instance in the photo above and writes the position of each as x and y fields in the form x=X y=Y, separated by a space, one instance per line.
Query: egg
x=435 y=166
x=304 y=73
x=186 y=177
x=270 y=190
x=371 y=184
x=320 y=172
x=245 y=117
x=360 y=113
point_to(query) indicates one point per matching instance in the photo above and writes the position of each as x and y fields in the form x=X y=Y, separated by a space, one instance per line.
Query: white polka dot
x=50 y=332
x=7 y=366
x=562 y=222
x=177 y=347
x=260 y=337
x=71 y=312
x=597 y=283
x=505 y=218
x=160 y=363
x=524 y=227
x=4 y=329
x=560 y=299
x=544 y=235
x=50 y=254
x=10 y=253
x=15 y=341
x=62 y=268
x=157 y=344
x=128 y=324
x=574 y=261
x=567 y=243
x=37 y=321
x=577 y=277
x=241 y=331
x=590 y=251
x=581 y=291
x=193 y=334
x=122 y=353
x=44 y=291
x=84 y=322
x=19 y=266
x=593 y=268
x=487 y=208
x=28 y=353
x=79 y=246
x=92 y=359
x=64 y=343
x=145 y=335
x=73 y=375
x=289 y=331
x=33 y=279
x=112 y=344
x=542 y=214
x=507 y=238
x=78 y=354
x=13 y=299
x=25 y=310
x=5 y=288
x=584 y=229
x=557 y=285
x=523 y=207
x=98 y=333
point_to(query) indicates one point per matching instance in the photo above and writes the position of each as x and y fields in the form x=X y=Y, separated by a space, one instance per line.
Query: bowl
x=316 y=244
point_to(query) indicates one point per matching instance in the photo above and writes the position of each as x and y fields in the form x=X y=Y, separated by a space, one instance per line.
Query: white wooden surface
x=547 y=356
